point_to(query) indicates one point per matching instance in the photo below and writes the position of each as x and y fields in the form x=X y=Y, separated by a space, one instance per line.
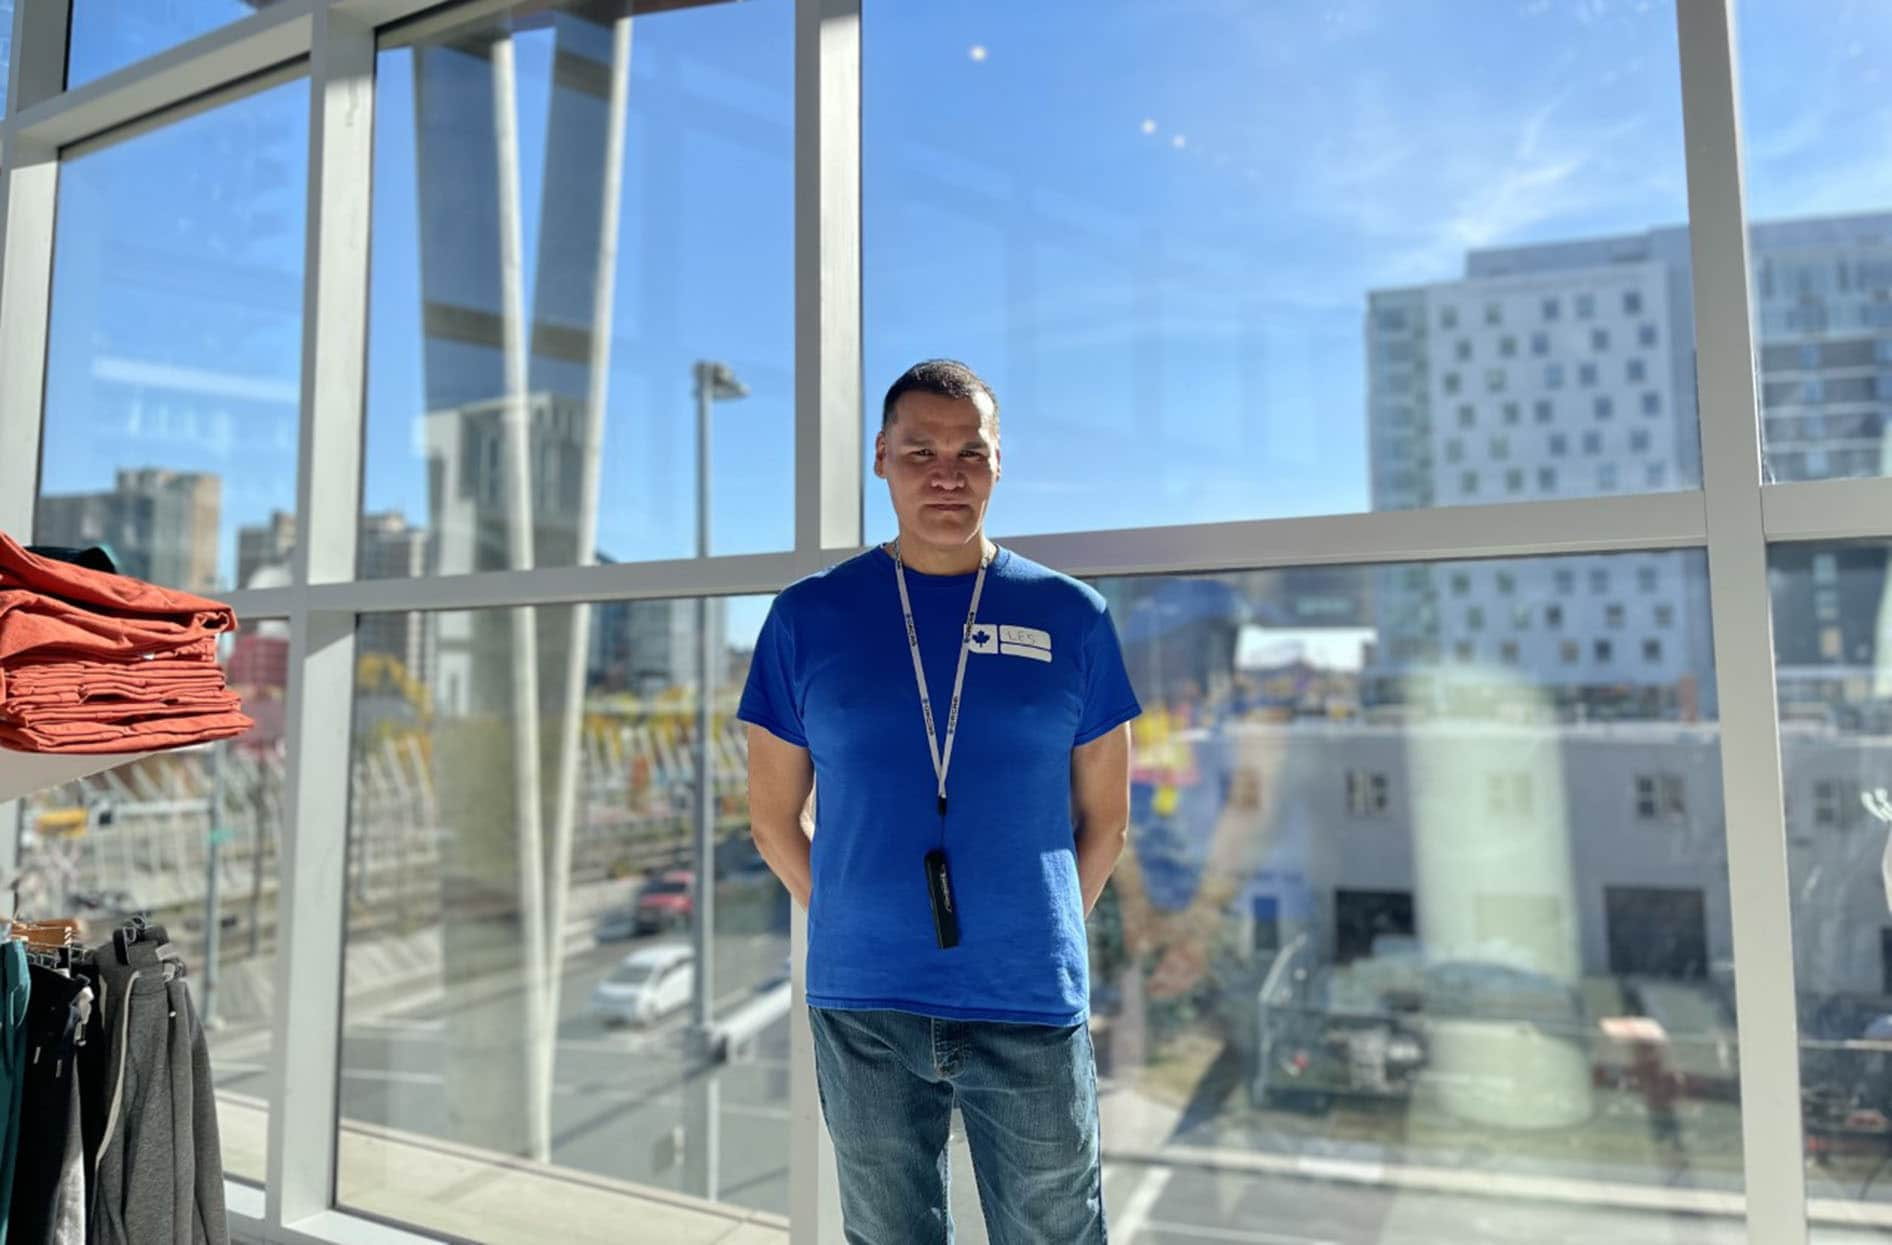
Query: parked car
x=647 y=984
x=667 y=901
x=1328 y=1031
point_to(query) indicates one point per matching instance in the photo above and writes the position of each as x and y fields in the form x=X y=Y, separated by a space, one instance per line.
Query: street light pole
x=714 y=381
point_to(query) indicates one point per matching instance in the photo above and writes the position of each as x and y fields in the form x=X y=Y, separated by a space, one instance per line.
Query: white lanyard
x=941 y=761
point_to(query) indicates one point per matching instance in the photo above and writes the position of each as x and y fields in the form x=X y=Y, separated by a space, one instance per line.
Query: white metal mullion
x=828 y=424
x=1743 y=629
x=309 y=963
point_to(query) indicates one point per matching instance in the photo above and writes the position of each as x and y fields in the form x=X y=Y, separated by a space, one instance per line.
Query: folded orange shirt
x=141 y=736
x=114 y=595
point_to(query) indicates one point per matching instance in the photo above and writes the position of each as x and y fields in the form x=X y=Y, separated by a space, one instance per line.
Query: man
x=964 y=834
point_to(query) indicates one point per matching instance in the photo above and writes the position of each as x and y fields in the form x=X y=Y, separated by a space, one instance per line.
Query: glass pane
x=1414 y=896
x=456 y=1031
x=1267 y=260
x=1835 y=681
x=6 y=51
x=1820 y=211
x=174 y=364
x=653 y=291
x=110 y=34
x=189 y=838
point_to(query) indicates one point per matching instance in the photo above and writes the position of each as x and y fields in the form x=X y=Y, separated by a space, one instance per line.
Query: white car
x=647 y=984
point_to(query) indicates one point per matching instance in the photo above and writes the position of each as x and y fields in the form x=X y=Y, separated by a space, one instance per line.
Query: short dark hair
x=945 y=378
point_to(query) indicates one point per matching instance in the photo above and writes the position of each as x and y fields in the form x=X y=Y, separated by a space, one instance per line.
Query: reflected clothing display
x=96 y=662
x=113 y=1105
x=832 y=673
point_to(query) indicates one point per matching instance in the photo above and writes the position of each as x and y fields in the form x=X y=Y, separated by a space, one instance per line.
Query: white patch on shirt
x=1012 y=641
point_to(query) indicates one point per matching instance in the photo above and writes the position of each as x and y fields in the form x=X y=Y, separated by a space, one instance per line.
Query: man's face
x=940 y=459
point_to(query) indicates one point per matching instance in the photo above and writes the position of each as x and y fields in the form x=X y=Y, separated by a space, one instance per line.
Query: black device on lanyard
x=939 y=880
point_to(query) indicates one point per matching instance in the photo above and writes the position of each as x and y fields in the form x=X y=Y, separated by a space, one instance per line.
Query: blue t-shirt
x=832 y=674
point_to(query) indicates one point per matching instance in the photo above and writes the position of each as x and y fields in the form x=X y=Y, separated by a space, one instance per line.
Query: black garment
x=92 y=557
x=159 y=1177
x=48 y=1195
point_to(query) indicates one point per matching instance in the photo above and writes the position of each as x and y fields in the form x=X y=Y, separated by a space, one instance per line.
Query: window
x=1544 y=411
x=1646 y=578
x=1454 y=450
x=1494 y=380
x=1566 y=581
x=1660 y=797
x=1448 y=317
x=1464 y=349
x=1586 y=306
x=1366 y=793
x=1521 y=617
x=1507 y=347
x=1825 y=568
x=1553 y=376
x=1508 y=794
x=1499 y=447
x=436 y=456
x=1467 y=415
x=1461 y=584
x=174 y=343
x=110 y=34
x=1508 y=652
x=1553 y=617
x=1603 y=406
x=1592 y=443
x=1603 y=651
x=1632 y=302
x=1468 y=482
x=1586 y=374
x=1832 y=644
x=1540 y=343
x=1568 y=652
x=1494 y=313
x=1835 y=804
x=1613 y=616
x=1646 y=336
x=1652 y=403
x=1636 y=371
x=1547 y=479
x=1599 y=579
x=1639 y=442
x=1514 y=480
x=1599 y=339
x=1462 y=652
x=1506 y=582
x=1665 y=615
x=1512 y=413
x=1557 y=445
x=1652 y=651
x=1552 y=309
x=1475 y=619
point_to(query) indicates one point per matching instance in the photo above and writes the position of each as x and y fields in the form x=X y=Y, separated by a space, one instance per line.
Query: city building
x=159 y=525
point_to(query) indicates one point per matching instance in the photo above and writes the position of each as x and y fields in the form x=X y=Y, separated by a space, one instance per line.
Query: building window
x=1632 y=302
x=1367 y=792
x=1832 y=644
x=1566 y=581
x=1592 y=443
x=1494 y=380
x=1499 y=447
x=1586 y=306
x=1507 y=582
x=1508 y=794
x=1646 y=578
x=1639 y=442
x=1599 y=579
x=1520 y=618
x=1547 y=479
x=1599 y=339
x=1507 y=347
x=1637 y=371
x=1514 y=480
x=1461 y=584
x=1646 y=336
x=1553 y=376
x=1454 y=451
x=1603 y=406
x=1835 y=804
x=1552 y=309
x=1544 y=411
x=1467 y=415
x=1660 y=797
x=1464 y=349
x=1553 y=617
x=1448 y=317
x=1540 y=343
x=1665 y=615
x=1508 y=652
x=1586 y=374
x=1463 y=651
x=1652 y=650
x=1604 y=651
x=1658 y=475
x=1512 y=413
x=1468 y=482
x=1449 y=382
x=1568 y=652
x=1475 y=619
x=1652 y=403
x=1613 y=616
x=1558 y=445
x=1825 y=568
x=1494 y=313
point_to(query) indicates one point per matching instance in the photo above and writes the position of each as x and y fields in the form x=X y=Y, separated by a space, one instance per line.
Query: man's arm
x=1100 y=807
x=781 y=818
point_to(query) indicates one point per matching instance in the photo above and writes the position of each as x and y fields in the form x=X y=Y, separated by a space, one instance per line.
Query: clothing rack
x=110 y=1125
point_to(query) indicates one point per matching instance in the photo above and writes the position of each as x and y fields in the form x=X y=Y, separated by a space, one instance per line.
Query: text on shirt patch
x=1010 y=641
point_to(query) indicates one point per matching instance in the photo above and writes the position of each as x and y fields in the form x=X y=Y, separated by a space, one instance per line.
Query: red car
x=668 y=901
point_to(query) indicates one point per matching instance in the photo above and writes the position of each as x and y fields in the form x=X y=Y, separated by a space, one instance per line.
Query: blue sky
x=1153 y=226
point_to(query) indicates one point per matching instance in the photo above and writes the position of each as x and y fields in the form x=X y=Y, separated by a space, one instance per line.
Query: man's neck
x=932 y=560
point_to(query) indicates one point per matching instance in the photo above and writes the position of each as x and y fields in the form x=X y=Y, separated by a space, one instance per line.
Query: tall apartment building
x=159 y=524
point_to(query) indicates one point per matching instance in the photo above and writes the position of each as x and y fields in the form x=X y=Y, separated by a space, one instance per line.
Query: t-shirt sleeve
x=772 y=697
x=1109 y=701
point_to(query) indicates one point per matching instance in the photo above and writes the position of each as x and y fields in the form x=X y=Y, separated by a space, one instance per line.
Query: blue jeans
x=1028 y=1093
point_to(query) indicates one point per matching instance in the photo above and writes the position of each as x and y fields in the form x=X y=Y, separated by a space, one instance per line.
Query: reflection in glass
x=189 y=838
x=1831 y=614
x=1254 y=302
x=175 y=343
x=539 y=965
x=582 y=219
x=1464 y=919
x=111 y=34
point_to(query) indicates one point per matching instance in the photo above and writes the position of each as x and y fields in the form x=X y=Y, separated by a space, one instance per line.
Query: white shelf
x=23 y=773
